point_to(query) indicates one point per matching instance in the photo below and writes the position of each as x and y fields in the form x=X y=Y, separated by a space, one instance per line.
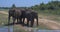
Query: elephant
x=20 y=14
x=30 y=15
x=15 y=14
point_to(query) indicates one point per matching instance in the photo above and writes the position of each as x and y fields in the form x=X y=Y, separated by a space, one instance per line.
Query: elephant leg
x=20 y=20
x=32 y=22
x=27 y=22
x=37 y=20
x=23 y=20
x=14 y=20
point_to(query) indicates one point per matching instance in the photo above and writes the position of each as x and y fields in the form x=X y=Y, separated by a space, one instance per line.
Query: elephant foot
x=8 y=24
x=31 y=26
x=27 y=25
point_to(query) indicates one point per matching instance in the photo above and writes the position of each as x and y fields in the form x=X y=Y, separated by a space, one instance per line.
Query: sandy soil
x=50 y=24
x=3 y=12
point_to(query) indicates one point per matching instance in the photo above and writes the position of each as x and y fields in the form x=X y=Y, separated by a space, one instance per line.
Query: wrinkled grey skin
x=30 y=15
x=15 y=14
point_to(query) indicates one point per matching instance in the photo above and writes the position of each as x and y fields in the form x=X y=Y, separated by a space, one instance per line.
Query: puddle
x=5 y=29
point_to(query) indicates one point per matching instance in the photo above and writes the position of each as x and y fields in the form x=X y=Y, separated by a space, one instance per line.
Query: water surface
x=5 y=29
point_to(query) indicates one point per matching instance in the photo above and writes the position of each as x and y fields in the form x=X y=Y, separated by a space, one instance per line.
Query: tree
x=42 y=6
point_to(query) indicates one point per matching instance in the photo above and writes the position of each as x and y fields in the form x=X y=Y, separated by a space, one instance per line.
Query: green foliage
x=52 y=7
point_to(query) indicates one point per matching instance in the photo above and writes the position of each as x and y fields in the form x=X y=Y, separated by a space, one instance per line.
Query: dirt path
x=3 y=12
x=49 y=23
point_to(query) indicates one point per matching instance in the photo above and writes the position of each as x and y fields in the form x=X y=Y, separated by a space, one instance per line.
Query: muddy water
x=5 y=29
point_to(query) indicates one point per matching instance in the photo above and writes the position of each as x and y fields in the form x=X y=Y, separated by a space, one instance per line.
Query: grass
x=3 y=19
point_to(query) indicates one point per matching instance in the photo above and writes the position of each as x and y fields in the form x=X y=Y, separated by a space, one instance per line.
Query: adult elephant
x=31 y=15
x=15 y=14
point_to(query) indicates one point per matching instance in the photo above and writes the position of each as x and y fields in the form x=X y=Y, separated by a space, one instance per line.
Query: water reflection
x=5 y=29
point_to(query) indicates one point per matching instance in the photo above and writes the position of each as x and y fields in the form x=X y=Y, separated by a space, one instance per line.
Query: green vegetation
x=52 y=7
